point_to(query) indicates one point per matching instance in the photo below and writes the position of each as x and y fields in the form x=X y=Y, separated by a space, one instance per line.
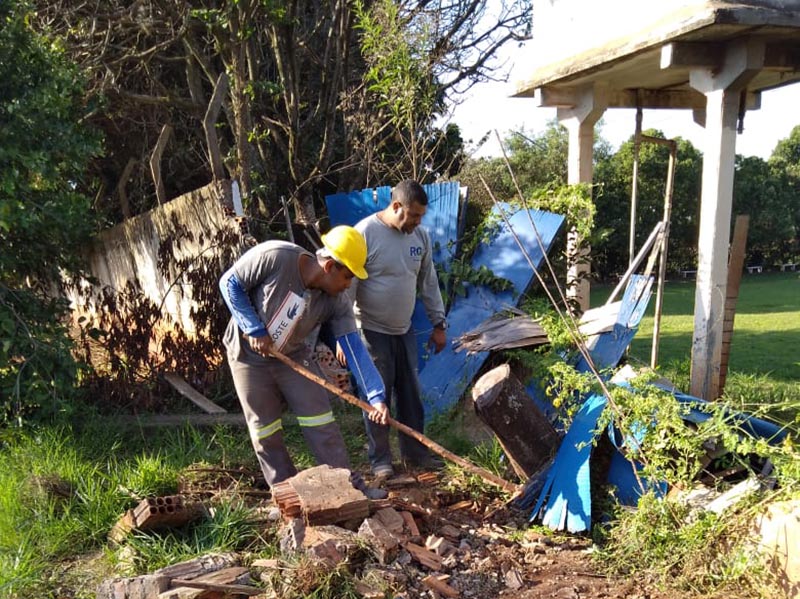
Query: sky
x=489 y=107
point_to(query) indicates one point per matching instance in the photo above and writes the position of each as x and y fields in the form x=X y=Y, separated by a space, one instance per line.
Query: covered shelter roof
x=657 y=59
x=712 y=56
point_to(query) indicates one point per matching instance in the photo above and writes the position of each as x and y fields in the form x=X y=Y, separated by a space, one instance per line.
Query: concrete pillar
x=580 y=121
x=722 y=90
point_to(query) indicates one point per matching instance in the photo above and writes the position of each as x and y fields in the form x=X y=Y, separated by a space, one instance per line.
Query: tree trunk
x=527 y=437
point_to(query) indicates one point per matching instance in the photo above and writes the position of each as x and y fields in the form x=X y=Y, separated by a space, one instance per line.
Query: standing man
x=399 y=265
x=278 y=293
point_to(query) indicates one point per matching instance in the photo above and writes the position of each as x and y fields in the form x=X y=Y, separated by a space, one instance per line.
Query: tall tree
x=302 y=115
x=43 y=219
x=765 y=193
x=614 y=174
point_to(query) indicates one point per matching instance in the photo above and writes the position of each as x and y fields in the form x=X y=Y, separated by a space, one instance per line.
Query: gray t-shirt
x=268 y=272
x=399 y=266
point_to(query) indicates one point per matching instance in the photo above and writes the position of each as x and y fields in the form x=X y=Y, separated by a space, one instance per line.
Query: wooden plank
x=427 y=558
x=158 y=420
x=735 y=269
x=190 y=393
x=439 y=586
x=410 y=523
x=222 y=581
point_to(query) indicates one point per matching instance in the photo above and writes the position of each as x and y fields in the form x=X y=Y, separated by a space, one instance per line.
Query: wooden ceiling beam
x=568 y=97
x=692 y=55
x=779 y=56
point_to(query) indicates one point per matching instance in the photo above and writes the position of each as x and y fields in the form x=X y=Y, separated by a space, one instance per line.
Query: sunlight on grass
x=766 y=328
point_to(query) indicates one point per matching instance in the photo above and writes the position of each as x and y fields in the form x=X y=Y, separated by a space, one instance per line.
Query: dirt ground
x=495 y=551
x=501 y=555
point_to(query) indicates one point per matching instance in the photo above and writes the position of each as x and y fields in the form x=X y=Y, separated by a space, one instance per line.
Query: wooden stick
x=231 y=589
x=352 y=399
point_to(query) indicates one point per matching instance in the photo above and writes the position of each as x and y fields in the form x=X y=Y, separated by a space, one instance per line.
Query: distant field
x=766 y=338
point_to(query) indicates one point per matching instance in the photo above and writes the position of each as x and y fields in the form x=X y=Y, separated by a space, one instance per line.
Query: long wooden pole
x=432 y=445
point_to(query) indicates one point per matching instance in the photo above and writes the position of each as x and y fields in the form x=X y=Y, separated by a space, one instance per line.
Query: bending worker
x=399 y=263
x=278 y=293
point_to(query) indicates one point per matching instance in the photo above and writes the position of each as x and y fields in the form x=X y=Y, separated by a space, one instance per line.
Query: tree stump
x=527 y=437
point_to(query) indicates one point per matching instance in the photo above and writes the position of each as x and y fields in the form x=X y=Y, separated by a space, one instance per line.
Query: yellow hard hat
x=348 y=247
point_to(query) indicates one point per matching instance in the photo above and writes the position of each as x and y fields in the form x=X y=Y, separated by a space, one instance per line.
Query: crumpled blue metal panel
x=565 y=500
x=350 y=207
x=445 y=376
x=747 y=423
x=444 y=221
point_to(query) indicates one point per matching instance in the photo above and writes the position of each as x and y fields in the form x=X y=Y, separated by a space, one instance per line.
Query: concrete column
x=722 y=90
x=580 y=121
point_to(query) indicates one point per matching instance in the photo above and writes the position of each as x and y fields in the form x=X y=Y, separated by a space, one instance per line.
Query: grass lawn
x=766 y=337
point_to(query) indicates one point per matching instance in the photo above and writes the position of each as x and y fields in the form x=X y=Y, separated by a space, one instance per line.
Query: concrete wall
x=129 y=252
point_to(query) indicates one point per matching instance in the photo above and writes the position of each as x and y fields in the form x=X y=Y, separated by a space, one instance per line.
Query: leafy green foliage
x=460 y=274
x=704 y=552
x=43 y=220
x=766 y=194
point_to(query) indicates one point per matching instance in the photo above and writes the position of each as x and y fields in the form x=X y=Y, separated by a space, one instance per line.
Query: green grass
x=48 y=540
x=63 y=487
x=766 y=337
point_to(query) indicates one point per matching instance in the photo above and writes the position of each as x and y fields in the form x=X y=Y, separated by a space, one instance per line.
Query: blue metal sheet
x=445 y=376
x=610 y=346
x=442 y=220
x=621 y=475
x=625 y=485
x=749 y=424
x=565 y=501
x=350 y=207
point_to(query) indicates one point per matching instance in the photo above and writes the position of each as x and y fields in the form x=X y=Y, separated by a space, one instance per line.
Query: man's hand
x=340 y=354
x=380 y=414
x=438 y=339
x=260 y=345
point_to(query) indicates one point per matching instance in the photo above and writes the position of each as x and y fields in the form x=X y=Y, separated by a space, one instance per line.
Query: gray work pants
x=395 y=356
x=260 y=389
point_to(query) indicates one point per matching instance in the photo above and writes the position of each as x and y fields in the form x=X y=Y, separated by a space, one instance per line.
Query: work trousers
x=395 y=356
x=260 y=389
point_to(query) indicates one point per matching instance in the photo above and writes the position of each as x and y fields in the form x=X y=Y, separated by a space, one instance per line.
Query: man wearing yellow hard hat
x=278 y=293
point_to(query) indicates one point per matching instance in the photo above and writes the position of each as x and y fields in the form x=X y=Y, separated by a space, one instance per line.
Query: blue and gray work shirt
x=399 y=265
x=267 y=273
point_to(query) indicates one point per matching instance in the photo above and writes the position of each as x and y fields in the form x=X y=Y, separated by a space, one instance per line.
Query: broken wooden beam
x=407 y=430
x=158 y=420
x=190 y=393
x=427 y=558
x=210 y=585
x=440 y=586
x=150 y=586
